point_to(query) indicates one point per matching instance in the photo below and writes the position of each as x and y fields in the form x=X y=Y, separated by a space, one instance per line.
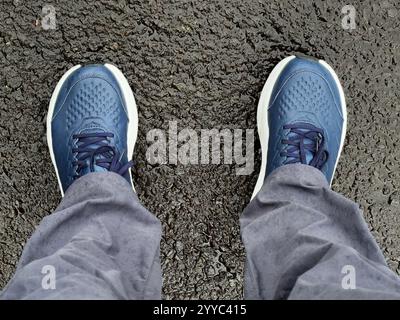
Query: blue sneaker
x=92 y=124
x=301 y=117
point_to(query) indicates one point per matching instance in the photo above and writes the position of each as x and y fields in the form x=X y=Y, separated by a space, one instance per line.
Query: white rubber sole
x=130 y=104
x=262 y=116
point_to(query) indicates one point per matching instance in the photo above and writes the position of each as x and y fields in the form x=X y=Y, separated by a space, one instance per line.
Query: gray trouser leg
x=304 y=241
x=101 y=243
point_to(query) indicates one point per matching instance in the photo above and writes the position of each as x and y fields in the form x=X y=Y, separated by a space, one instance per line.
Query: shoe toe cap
x=92 y=87
x=307 y=80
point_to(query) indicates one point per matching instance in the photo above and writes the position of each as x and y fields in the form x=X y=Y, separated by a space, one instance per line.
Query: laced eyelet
x=298 y=144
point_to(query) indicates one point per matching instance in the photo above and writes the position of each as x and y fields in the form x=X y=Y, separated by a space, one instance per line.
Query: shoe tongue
x=306 y=141
x=93 y=128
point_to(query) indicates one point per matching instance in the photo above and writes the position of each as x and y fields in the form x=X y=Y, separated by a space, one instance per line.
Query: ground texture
x=202 y=64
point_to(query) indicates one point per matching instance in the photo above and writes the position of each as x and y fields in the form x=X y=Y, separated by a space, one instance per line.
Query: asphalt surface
x=202 y=64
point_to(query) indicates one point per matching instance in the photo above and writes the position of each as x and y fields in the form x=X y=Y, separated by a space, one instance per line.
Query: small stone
x=392 y=13
x=14 y=82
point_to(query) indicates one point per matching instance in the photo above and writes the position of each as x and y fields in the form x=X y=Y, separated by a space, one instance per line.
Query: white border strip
x=50 y=113
x=130 y=103
x=262 y=118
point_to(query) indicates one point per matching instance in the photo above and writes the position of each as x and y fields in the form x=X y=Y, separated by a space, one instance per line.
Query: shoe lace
x=93 y=149
x=305 y=139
